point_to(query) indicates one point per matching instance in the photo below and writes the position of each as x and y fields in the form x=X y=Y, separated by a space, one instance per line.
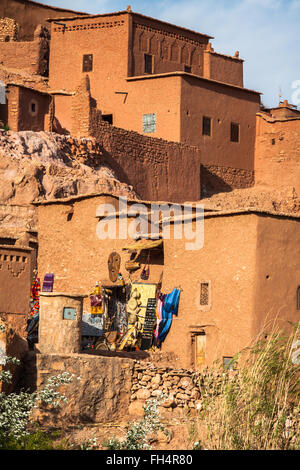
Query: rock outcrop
x=38 y=166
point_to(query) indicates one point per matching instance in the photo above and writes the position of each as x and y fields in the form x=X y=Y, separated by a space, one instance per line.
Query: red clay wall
x=229 y=266
x=15 y=272
x=151 y=165
x=277 y=152
x=73 y=252
x=223 y=104
x=170 y=47
x=104 y=37
x=20 y=55
x=277 y=273
x=30 y=14
x=219 y=179
x=30 y=57
x=223 y=68
x=20 y=114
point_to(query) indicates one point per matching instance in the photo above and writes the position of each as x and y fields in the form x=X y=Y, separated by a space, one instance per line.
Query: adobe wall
x=73 y=252
x=102 y=394
x=228 y=265
x=21 y=116
x=29 y=57
x=170 y=47
x=277 y=153
x=15 y=275
x=151 y=165
x=223 y=68
x=277 y=273
x=220 y=179
x=8 y=30
x=12 y=344
x=30 y=14
x=20 y=55
x=104 y=37
x=16 y=265
x=223 y=104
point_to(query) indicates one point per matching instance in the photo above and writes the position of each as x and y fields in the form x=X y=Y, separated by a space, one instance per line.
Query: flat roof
x=187 y=74
x=272 y=119
x=129 y=12
x=50 y=7
x=209 y=212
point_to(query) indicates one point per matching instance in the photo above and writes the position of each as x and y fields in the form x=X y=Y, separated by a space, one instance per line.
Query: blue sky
x=264 y=31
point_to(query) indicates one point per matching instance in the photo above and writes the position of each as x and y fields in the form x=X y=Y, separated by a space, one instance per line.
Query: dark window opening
x=148 y=66
x=206 y=126
x=87 y=63
x=188 y=68
x=234 y=132
x=228 y=363
x=204 y=293
x=33 y=108
x=7 y=39
x=108 y=118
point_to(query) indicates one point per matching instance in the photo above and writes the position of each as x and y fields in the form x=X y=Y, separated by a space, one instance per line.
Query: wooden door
x=200 y=351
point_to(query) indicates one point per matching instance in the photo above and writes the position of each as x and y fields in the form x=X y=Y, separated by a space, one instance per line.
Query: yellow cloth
x=146 y=291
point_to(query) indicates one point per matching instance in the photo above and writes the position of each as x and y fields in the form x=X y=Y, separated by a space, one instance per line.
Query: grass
x=255 y=407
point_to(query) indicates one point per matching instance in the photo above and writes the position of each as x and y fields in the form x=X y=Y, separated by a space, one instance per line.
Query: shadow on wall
x=117 y=168
x=212 y=184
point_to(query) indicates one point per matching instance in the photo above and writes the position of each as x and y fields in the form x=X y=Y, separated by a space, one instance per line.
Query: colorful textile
x=48 y=282
x=170 y=308
x=35 y=294
x=159 y=315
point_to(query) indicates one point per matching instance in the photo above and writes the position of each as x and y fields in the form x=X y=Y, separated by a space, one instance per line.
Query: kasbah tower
x=94 y=107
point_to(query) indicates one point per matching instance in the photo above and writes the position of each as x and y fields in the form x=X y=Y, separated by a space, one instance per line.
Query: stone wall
x=151 y=165
x=181 y=386
x=217 y=179
x=30 y=57
x=8 y=30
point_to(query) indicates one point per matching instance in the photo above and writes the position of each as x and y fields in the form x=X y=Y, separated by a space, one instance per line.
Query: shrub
x=256 y=406
x=139 y=433
x=15 y=409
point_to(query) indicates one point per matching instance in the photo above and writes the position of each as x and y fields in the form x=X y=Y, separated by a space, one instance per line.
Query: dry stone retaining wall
x=181 y=386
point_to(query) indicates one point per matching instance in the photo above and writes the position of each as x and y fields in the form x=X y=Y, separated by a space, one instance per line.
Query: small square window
x=206 y=126
x=87 y=63
x=228 y=363
x=148 y=66
x=149 y=123
x=188 y=68
x=234 y=132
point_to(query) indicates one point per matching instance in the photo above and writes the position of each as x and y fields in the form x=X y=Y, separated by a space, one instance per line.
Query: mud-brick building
x=277 y=150
x=18 y=259
x=157 y=79
x=243 y=279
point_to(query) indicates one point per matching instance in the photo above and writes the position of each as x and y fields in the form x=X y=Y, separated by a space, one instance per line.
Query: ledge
x=62 y=294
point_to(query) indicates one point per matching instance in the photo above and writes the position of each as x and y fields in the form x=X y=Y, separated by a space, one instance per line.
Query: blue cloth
x=169 y=308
